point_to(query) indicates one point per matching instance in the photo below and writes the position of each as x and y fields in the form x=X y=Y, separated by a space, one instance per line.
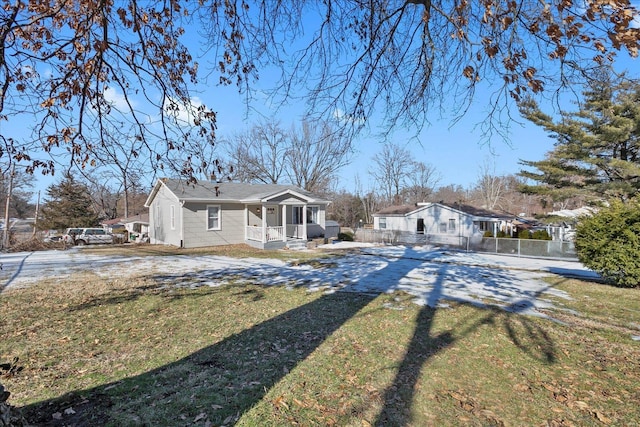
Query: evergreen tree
x=609 y=242
x=597 y=148
x=68 y=205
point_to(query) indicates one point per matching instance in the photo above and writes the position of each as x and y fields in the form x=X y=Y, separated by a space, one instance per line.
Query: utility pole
x=5 y=237
x=35 y=219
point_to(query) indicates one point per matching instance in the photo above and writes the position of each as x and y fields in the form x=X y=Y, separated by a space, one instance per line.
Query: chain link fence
x=506 y=246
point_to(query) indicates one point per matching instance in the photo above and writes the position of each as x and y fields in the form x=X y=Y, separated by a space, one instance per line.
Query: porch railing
x=254 y=233
x=273 y=233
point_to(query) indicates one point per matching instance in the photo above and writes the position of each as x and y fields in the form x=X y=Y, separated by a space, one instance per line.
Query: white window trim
x=172 y=210
x=382 y=223
x=219 y=227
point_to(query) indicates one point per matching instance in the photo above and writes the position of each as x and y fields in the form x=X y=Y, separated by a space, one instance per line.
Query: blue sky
x=456 y=150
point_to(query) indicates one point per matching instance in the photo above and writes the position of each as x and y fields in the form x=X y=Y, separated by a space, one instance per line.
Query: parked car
x=87 y=236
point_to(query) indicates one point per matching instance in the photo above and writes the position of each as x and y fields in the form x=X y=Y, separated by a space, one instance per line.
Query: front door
x=272 y=216
x=420 y=226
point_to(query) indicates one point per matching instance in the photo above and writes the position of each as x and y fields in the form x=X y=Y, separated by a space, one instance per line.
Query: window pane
x=312 y=214
x=443 y=227
x=213 y=217
x=297 y=214
x=452 y=225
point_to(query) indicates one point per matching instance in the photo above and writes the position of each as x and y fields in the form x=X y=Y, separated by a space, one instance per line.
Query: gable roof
x=206 y=191
x=404 y=210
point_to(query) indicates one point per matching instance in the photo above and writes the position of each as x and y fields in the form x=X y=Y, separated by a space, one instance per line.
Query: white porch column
x=264 y=224
x=284 y=222
x=246 y=220
x=304 y=221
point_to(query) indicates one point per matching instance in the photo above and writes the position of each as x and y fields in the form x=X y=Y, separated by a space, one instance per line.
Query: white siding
x=433 y=216
x=160 y=231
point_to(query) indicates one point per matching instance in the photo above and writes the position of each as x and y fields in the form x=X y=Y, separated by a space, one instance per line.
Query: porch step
x=297 y=245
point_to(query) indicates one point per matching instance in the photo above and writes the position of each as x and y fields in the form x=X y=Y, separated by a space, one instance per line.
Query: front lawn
x=132 y=352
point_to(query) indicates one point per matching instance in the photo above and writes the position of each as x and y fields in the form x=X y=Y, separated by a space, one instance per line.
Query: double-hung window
x=213 y=218
x=452 y=225
x=382 y=223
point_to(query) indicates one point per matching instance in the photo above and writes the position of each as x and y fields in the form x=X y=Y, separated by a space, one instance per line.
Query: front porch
x=264 y=227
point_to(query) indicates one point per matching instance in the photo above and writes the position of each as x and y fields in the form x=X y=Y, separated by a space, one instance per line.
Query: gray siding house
x=267 y=216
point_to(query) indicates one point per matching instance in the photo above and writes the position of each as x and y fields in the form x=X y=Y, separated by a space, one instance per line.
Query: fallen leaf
x=57 y=416
x=201 y=416
x=69 y=411
x=457 y=396
x=279 y=401
x=581 y=405
x=600 y=417
x=560 y=397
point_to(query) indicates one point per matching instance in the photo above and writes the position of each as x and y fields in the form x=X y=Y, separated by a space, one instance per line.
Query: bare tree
x=78 y=70
x=316 y=153
x=259 y=155
x=21 y=192
x=490 y=186
x=451 y=194
x=309 y=156
x=346 y=209
x=392 y=166
x=421 y=182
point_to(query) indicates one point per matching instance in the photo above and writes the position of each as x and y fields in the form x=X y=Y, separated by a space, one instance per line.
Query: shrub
x=345 y=237
x=502 y=234
x=524 y=234
x=609 y=243
x=488 y=234
x=541 y=235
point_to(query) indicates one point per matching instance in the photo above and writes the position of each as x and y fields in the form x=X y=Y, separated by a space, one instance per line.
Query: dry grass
x=96 y=352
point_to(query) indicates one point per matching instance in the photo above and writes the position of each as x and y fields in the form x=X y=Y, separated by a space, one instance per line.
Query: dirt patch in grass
x=128 y=352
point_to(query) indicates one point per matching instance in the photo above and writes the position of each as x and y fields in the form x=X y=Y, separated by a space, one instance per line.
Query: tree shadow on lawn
x=221 y=382
x=525 y=335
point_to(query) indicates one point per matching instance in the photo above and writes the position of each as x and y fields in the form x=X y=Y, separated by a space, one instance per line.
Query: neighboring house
x=137 y=226
x=440 y=220
x=207 y=214
x=133 y=228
